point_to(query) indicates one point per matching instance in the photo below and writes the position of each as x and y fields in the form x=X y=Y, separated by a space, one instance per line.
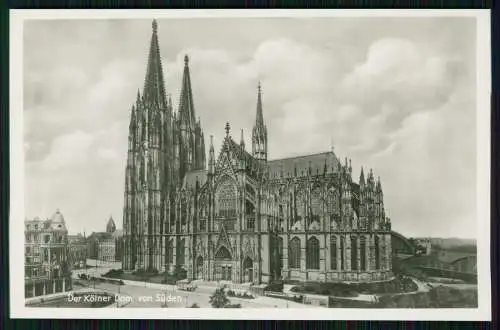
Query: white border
x=16 y=248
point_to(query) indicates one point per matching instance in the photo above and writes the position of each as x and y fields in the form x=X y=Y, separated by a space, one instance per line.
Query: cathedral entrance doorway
x=248 y=270
x=223 y=265
x=199 y=268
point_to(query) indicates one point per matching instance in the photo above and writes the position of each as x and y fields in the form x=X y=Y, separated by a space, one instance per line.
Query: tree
x=219 y=299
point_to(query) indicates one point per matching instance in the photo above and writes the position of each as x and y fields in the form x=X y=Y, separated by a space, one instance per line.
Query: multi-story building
x=106 y=246
x=46 y=256
x=245 y=218
x=78 y=250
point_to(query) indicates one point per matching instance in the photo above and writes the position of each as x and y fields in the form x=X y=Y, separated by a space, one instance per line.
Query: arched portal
x=223 y=264
x=248 y=269
x=199 y=267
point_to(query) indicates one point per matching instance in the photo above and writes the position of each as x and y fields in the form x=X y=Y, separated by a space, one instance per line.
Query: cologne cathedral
x=241 y=216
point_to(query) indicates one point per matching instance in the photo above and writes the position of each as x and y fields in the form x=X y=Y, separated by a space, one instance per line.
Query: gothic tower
x=259 y=132
x=192 y=144
x=149 y=156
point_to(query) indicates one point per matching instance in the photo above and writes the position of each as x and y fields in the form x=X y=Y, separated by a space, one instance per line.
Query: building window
x=312 y=253
x=46 y=239
x=315 y=205
x=362 y=251
x=183 y=213
x=294 y=253
x=226 y=199
x=300 y=207
x=333 y=252
x=203 y=224
x=280 y=252
x=250 y=216
x=342 y=254
x=181 y=244
x=227 y=203
x=354 y=253
x=377 y=253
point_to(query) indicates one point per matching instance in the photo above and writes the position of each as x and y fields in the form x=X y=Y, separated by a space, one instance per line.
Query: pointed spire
x=228 y=129
x=259 y=121
x=211 y=156
x=154 y=84
x=242 y=140
x=186 y=104
x=362 y=177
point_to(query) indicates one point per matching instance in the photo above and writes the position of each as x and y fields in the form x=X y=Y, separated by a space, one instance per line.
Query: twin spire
x=154 y=83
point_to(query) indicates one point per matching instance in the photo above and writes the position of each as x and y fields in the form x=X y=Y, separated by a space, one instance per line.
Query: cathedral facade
x=240 y=216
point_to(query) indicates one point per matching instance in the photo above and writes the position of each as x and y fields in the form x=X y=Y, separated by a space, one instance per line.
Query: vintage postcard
x=250 y=164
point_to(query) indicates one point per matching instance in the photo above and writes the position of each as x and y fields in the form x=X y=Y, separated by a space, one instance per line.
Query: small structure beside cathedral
x=242 y=217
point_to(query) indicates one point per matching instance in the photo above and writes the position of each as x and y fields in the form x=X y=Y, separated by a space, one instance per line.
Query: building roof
x=58 y=217
x=100 y=236
x=301 y=165
x=110 y=226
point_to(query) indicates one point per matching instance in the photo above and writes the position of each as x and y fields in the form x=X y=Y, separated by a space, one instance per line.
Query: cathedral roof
x=302 y=164
x=191 y=177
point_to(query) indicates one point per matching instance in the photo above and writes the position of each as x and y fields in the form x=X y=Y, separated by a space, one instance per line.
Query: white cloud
x=68 y=150
x=392 y=100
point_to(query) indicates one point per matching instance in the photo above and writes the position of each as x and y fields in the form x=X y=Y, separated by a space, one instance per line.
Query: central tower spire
x=154 y=83
x=259 y=132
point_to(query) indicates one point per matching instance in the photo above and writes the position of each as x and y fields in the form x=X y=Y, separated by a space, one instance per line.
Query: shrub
x=219 y=299
x=195 y=305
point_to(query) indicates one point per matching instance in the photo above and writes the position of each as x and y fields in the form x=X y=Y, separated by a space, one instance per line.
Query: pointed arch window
x=294 y=253
x=312 y=253
x=226 y=199
x=362 y=252
x=342 y=253
x=180 y=253
x=377 y=252
x=300 y=206
x=354 y=253
x=333 y=252
x=315 y=210
x=203 y=214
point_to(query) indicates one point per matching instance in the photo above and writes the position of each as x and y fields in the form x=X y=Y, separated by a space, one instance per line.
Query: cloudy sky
x=396 y=95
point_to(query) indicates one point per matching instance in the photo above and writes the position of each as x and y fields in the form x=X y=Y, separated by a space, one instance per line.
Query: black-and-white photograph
x=258 y=162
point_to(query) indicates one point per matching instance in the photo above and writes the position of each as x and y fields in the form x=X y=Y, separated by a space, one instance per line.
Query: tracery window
x=226 y=199
x=294 y=253
x=315 y=204
x=342 y=254
x=183 y=212
x=377 y=252
x=250 y=216
x=362 y=251
x=354 y=253
x=333 y=252
x=312 y=253
x=300 y=206
x=181 y=244
x=203 y=214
